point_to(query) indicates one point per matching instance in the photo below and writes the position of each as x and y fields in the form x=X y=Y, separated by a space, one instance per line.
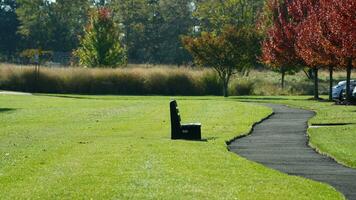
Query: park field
x=109 y=147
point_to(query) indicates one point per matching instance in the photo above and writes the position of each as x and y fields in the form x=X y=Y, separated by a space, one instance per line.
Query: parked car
x=340 y=89
x=352 y=87
x=354 y=93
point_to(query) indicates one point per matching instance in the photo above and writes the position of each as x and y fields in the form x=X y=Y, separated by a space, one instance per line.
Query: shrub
x=242 y=87
x=212 y=83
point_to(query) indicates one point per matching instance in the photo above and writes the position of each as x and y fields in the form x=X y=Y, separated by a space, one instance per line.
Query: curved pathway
x=280 y=142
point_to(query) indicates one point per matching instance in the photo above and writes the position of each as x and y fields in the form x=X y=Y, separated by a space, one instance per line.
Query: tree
x=101 y=44
x=52 y=25
x=132 y=15
x=278 y=46
x=178 y=21
x=325 y=33
x=309 y=46
x=228 y=53
x=215 y=15
x=8 y=27
x=152 y=29
x=339 y=22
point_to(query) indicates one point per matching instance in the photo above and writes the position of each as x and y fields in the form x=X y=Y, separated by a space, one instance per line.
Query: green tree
x=230 y=37
x=178 y=21
x=153 y=28
x=230 y=52
x=101 y=45
x=8 y=27
x=52 y=25
x=215 y=15
x=132 y=15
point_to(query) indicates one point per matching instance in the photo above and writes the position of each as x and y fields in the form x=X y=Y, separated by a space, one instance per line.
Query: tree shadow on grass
x=3 y=110
x=262 y=98
x=87 y=97
x=65 y=96
x=122 y=97
x=265 y=99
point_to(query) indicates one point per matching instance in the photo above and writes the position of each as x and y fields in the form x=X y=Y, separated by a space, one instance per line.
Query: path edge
x=310 y=144
x=228 y=142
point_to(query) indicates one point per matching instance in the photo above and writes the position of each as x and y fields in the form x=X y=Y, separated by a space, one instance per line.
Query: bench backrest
x=175 y=117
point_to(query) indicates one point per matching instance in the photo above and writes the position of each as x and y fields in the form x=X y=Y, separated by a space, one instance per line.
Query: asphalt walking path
x=280 y=142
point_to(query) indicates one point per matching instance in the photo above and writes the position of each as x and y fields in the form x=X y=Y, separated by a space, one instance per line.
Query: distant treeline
x=150 y=29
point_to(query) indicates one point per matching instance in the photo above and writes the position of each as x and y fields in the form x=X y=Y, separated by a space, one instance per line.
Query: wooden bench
x=191 y=131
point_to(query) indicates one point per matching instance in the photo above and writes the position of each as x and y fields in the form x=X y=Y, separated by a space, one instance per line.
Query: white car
x=340 y=88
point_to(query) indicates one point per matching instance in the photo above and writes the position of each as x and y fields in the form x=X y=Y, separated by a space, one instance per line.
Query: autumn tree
x=294 y=38
x=278 y=49
x=309 y=46
x=322 y=35
x=338 y=20
x=101 y=44
x=230 y=52
x=326 y=34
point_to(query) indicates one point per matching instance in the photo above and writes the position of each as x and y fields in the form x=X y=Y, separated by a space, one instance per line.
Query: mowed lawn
x=338 y=142
x=107 y=147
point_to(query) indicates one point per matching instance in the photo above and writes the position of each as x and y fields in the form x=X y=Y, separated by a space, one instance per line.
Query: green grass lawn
x=338 y=142
x=106 y=147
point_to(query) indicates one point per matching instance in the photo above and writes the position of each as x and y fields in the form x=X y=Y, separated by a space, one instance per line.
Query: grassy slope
x=337 y=142
x=119 y=147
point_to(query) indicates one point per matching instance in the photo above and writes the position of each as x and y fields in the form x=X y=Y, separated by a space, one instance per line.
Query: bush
x=242 y=87
x=212 y=83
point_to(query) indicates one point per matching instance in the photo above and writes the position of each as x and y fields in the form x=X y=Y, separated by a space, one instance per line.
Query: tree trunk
x=307 y=74
x=331 y=80
x=316 y=84
x=283 y=76
x=348 y=80
x=225 y=88
x=311 y=74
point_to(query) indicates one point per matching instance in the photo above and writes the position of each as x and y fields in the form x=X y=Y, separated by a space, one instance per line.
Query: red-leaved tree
x=309 y=45
x=338 y=18
x=317 y=33
x=278 y=48
x=299 y=12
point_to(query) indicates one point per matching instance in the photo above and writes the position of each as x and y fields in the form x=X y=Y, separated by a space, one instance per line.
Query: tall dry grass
x=154 y=80
x=124 y=81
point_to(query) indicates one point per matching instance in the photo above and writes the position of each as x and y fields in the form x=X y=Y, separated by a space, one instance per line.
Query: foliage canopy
x=101 y=45
x=232 y=51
